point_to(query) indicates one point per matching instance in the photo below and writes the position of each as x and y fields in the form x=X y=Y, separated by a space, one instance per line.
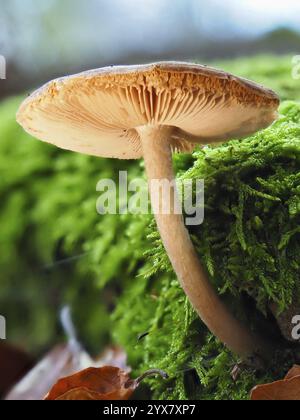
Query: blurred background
x=54 y=249
x=41 y=39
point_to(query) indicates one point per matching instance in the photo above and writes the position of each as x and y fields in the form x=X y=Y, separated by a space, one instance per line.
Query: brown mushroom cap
x=97 y=112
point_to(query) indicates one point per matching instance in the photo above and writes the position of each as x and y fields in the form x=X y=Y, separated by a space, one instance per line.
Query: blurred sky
x=250 y=17
x=46 y=33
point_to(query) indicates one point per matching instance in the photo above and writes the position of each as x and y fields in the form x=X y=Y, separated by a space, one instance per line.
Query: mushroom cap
x=98 y=112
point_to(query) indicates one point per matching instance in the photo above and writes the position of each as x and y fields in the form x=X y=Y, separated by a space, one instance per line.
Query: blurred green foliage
x=113 y=270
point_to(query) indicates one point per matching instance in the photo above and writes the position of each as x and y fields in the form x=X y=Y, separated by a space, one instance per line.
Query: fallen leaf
x=295 y=371
x=14 y=363
x=57 y=363
x=62 y=361
x=287 y=389
x=80 y=394
x=105 y=383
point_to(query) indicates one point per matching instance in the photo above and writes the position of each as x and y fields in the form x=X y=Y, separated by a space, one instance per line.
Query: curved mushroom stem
x=194 y=281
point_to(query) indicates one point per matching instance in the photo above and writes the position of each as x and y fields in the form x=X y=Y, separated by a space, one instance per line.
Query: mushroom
x=150 y=111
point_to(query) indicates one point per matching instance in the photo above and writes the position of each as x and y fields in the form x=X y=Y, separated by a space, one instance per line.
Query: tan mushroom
x=149 y=111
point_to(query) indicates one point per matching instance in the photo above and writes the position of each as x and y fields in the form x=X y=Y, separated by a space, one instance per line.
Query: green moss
x=249 y=242
x=250 y=236
x=55 y=249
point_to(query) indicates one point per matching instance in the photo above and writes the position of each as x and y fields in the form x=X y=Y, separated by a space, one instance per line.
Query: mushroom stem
x=157 y=153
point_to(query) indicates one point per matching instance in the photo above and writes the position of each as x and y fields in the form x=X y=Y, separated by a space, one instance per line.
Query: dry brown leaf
x=80 y=394
x=295 y=371
x=286 y=390
x=36 y=383
x=14 y=363
x=105 y=383
x=62 y=361
x=58 y=363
